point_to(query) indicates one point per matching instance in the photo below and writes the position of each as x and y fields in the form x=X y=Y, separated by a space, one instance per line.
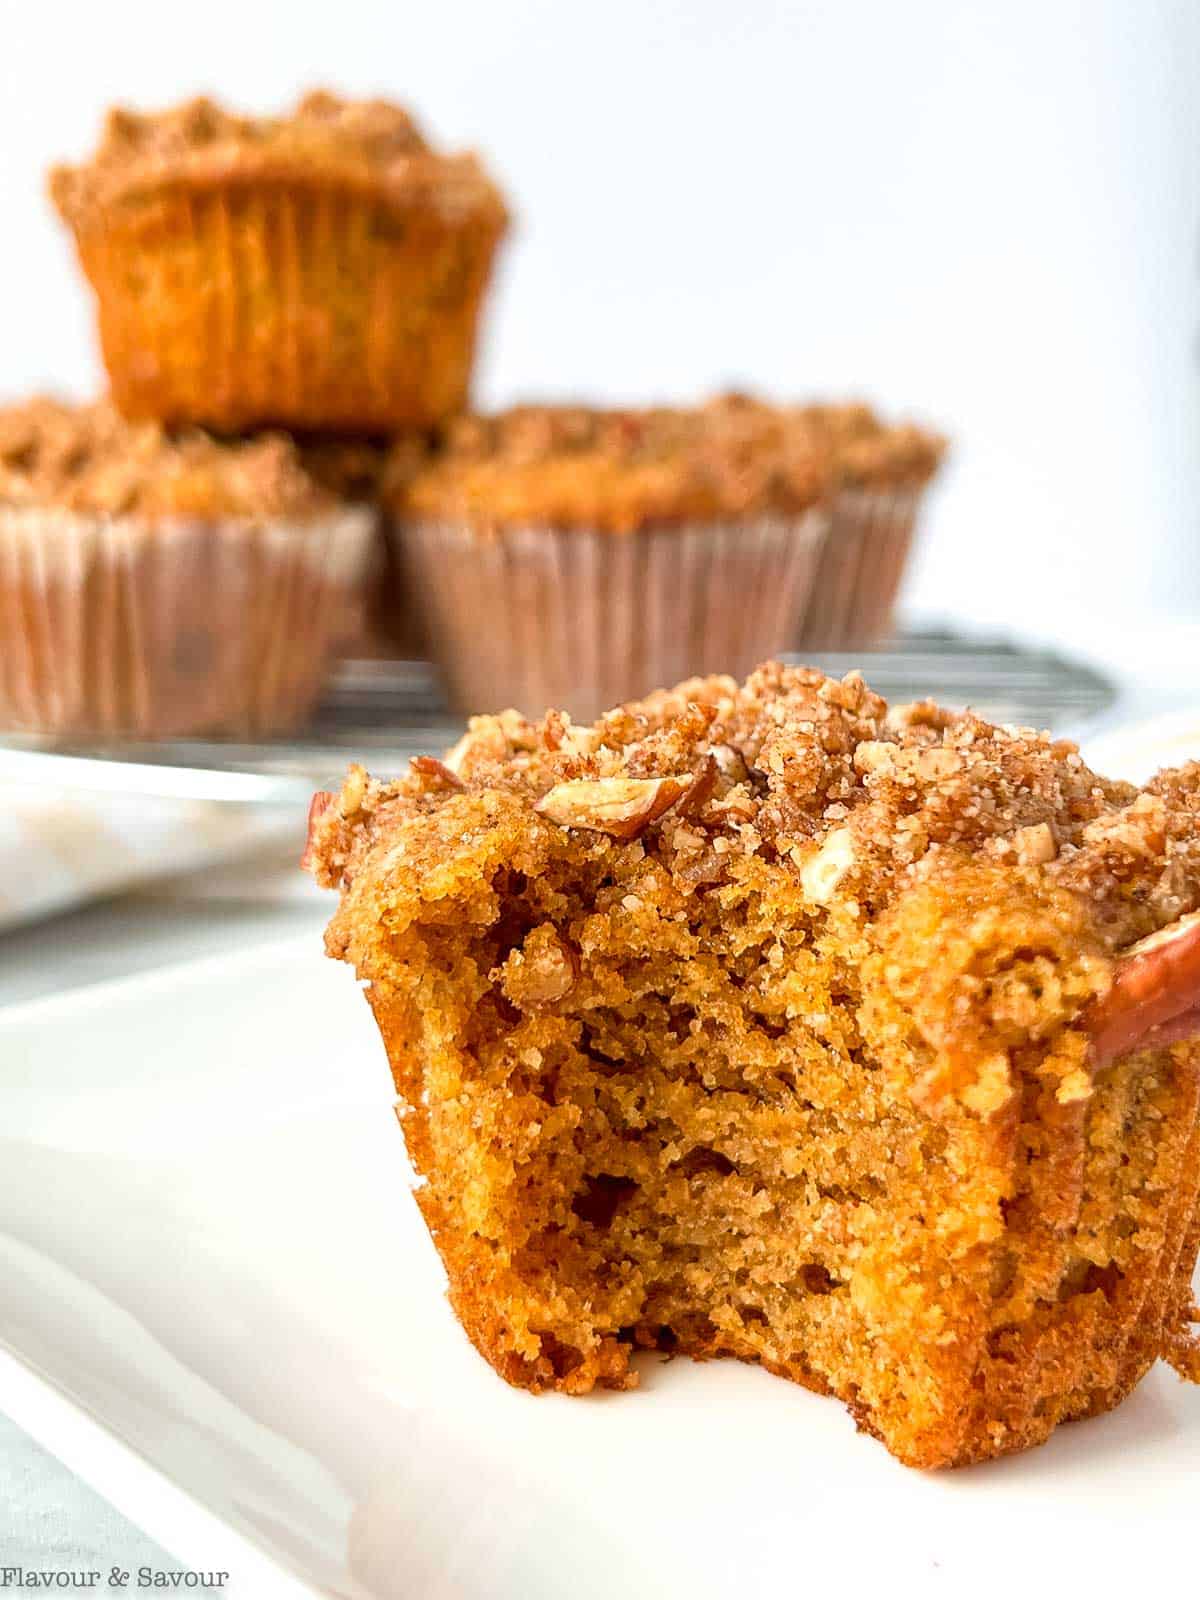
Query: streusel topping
x=369 y=144
x=618 y=470
x=811 y=773
x=88 y=458
x=872 y=453
x=866 y=451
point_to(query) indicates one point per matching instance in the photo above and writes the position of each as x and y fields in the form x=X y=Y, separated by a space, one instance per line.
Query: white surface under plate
x=220 y=1306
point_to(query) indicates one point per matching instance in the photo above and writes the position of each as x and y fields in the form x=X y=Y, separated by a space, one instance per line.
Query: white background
x=986 y=214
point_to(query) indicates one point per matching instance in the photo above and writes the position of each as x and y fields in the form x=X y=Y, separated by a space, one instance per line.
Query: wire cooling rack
x=382 y=712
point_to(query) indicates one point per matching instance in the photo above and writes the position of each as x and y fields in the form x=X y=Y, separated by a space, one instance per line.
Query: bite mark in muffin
x=815 y=1074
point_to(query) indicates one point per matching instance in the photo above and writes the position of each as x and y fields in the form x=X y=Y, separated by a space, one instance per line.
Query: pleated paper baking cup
x=853 y=595
x=307 y=307
x=157 y=628
x=535 y=617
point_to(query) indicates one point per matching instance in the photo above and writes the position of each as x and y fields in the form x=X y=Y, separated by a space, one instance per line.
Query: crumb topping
x=618 y=470
x=805 y=773
x=864 y=449
x=88 y=458
x=871 y=453
x=367 y=143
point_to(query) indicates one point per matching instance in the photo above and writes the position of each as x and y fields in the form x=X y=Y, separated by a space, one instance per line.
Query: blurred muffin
x=882 y=471
x=350 y=470
x=575 y=557
x=154 y=586
x=322 y=269
x=383 y=619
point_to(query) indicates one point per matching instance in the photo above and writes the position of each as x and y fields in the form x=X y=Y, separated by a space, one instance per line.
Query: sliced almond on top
x=622 y=807
x=1155 y=994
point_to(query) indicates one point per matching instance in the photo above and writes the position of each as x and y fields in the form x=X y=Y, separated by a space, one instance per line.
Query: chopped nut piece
x=622 y=807
x=354 y=791
x=1137 y=830
x=821 y=874
x=543 y=970
x=458 y=753
x=1035 y=845
x=731 y=762
x=493 y=738
x=1155 y=994
x=560 y=733
x=920 y=714
x=926 y=765
x=317 y=807
x=436 y=774
x=872 y=754
x=938 y=763
x=699 y=791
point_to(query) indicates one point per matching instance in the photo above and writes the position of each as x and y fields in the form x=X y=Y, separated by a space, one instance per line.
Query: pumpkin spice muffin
x=569 y=556
x=322 y=269
x=883 y=470
x=153 y=586
x=760 y=1021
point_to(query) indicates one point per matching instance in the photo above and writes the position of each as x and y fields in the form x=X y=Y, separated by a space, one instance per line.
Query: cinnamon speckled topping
x=369 y=144
x=872 y=453
x=866 y=450
x=618 y=470
x=87 y=458
x=820 y=777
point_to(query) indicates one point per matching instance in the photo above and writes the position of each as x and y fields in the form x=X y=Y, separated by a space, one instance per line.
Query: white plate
x=208 y=1253
x=1137 y=750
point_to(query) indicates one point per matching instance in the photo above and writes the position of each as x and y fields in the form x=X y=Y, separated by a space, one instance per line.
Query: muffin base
x=293 y=304
x=853 y=595
x=149 y=628
x=533 y=616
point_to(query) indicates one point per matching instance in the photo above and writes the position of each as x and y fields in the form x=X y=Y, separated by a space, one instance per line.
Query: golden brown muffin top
x=797 y=771
x=367 y=145
x=617 y=470
x=866 y=450
x=88 y=458
x=872 y=453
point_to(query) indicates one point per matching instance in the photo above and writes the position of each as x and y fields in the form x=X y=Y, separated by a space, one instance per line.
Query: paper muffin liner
x=535 y=617
x=393 y=625
x=858 y=577
x=149 y=627
x=309 y=307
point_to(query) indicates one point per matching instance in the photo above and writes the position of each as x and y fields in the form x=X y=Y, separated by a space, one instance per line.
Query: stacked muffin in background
x=167 y=567
x=562 y=556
